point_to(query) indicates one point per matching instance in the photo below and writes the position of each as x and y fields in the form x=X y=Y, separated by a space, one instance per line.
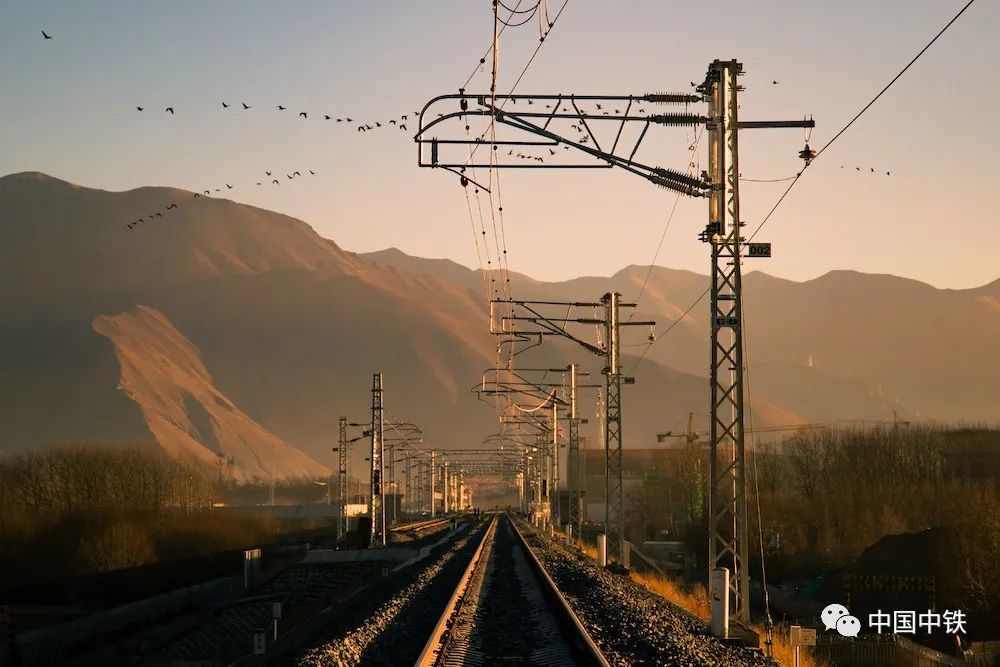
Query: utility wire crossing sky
x=903 y=192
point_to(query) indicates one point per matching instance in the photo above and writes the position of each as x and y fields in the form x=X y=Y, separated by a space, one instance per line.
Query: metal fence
x=881 y=650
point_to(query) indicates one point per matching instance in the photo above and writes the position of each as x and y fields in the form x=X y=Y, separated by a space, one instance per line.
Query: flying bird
x=873 y=169
x=378 y=124
x=228 y=186
x=159 y=215
x=312 y=172
x=402 y=126
x=207 y=192
x=551 y=152
x=170 y=109
x=392 y=122
x=258 y=183
x=138 y=108
x=888 y=173
x=295 y=173
x=325 y=117
x=131 y=225
x=693 y=84
x=403 y=117
x=246 y=106
x=350 y=120
x=857 y=168
x=225 y=106
x=281 y=108
x=275 y=181
x=303 y=114
x=46 y=36
x=289 y=176
x=361 y=128
x=268 y=173
x=172 y=206
x=197 y=195
x=774 y=83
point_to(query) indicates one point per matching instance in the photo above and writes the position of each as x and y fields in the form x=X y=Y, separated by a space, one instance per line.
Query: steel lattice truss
x=550 y=118
x=565 y=127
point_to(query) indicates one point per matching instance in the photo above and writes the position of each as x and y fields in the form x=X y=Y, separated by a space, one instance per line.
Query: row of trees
x=92 y=477
x=91 y=508
x=827 y=495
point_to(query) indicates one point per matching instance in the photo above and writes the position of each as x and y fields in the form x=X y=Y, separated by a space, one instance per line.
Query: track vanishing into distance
x=497 y=591
x=506 y=610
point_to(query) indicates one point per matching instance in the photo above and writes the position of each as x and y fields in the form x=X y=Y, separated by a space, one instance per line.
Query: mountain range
x=224 y=330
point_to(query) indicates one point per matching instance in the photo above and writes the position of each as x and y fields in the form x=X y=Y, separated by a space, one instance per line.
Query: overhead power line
x=795 y=179
x=858 y=115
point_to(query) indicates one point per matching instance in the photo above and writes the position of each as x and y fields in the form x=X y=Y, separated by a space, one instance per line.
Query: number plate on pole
x=721 y=321
x=758 y=250
x=802 y=636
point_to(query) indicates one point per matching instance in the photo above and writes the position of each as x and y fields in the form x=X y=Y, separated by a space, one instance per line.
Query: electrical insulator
x=464 y=104
x=807 y=154
x=671 y=98
x=464 y=181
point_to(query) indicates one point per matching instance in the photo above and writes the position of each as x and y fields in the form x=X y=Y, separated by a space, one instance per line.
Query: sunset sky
x=68 y=109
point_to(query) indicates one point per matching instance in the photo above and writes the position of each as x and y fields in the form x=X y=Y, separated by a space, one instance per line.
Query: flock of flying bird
x=362 y=127
x=173 y=205
x=888 y=173
x=400 y=124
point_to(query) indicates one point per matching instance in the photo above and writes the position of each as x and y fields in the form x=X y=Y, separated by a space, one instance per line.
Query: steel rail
x=434 y=647
x=593 y=651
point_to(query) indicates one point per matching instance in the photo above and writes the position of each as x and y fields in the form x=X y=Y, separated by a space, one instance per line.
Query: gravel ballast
x=393 y=631
x=630 y=624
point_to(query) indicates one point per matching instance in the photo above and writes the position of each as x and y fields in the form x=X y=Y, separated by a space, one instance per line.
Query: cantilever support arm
x=539 y=124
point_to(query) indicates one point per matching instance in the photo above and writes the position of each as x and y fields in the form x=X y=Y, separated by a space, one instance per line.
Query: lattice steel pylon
x=610 y=350
x=574 y=474
x=540 y=115
x=376 y=501
x=342 y=478
x=614 y=505
x=554 y=485
x=727 y=506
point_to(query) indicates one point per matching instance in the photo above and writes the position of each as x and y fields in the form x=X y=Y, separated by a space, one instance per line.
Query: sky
x=68 y=109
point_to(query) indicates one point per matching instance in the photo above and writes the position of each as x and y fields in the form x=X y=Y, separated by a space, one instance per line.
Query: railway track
x=423 y=526
x=506 y=610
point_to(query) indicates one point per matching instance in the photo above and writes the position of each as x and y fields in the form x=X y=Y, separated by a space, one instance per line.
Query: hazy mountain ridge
x=288 y=329
x=186 y=414
x=876 y=342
